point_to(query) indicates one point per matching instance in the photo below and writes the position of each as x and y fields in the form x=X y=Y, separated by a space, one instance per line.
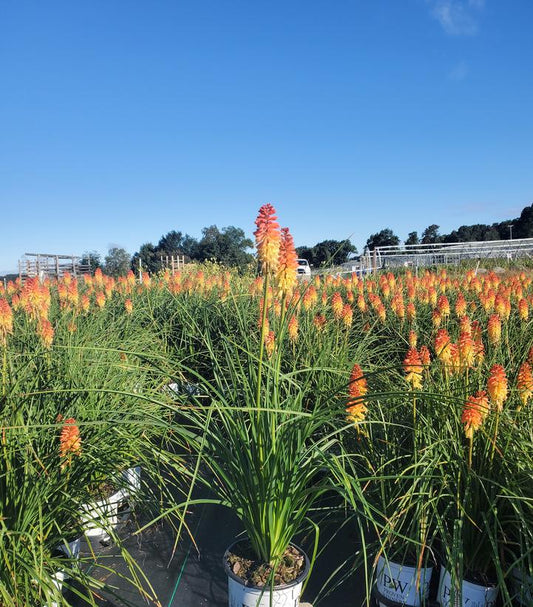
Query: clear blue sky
x=122 y=120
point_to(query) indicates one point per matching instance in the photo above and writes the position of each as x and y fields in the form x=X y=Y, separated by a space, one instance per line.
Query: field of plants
x=398 y=403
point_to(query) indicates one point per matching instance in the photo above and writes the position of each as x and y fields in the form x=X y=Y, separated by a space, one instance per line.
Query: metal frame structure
x=449 y=253
x=45 y=265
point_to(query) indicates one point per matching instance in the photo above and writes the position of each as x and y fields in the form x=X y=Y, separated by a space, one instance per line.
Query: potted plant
x=261 y=436
x=384 y=451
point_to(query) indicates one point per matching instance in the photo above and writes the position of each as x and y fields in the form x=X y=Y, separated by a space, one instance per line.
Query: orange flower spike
x=361 y=303
x=347 y=315
x=69 y=440
x=73 y=295
x=523 y=309
x=455 y=362
x=398 y=306
x=381 y=312
x=425 y=356
x=442 y=341
x=356 y=409
x=309 y=298
x=466 y=324
x=443 y=306
x=437 y=318
x=358 y=386
x=6 y=320
x=525 y=383
x=474 y=413
x=85 y=303
x=502 y=305
x=270 y=343
x=128 y=305
x=287 y=276
x=413 y=338
x=467 y=352
x=46 y=332
x=292 y=329
x=337 y=305
x=320 y=322
x=479 y=350
x=267 y=238
x=494 y=329
x=460 y=305
x=100 y=299
x=476 y=331
x=413 y=368
x=98 y=277
x=497 y=386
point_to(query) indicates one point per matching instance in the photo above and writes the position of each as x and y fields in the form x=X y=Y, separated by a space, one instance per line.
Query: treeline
x=521 y=227
x=231 y=247
x=228 y=246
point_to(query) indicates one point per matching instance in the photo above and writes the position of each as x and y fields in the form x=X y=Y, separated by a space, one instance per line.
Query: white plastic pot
x=101 y=516
x=132 y=476
x=472 y=595
x=287 y=595
x=522 y=586
x=398 y=583
x=70 y=549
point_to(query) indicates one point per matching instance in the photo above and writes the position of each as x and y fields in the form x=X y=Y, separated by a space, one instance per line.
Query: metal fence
x=450 y=253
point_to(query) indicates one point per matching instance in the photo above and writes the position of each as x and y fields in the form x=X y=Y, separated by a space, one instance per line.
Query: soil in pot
x=242 y=561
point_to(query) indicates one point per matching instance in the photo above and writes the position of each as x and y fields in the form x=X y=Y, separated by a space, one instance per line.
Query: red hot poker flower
x=475 y=411
x=69 y=441
x=525 y=383
x=497 y=386
x=356 y=409
x=413 y=368
x=6 y=320
x=267 y=238
x=287 y=263
x=358 y=385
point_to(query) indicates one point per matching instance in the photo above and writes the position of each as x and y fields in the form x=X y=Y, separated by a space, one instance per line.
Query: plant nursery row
x=398 y=405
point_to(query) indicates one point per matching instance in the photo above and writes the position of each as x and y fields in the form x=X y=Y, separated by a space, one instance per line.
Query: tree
x=412 y=238
x=431 y=234
x=304 y=252
x=228 y=246
x=91 y=259
x=385 y=238
x=117 y=262
x=149 y=258
x=330 y=252
x=170 y=244
x=523 y=226
x=189 y=247
x=175 y=243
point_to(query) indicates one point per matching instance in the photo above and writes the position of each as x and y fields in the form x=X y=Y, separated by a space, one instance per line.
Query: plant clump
x=242 y=561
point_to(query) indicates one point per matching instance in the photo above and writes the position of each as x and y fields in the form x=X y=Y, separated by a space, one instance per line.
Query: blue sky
x=122 y=120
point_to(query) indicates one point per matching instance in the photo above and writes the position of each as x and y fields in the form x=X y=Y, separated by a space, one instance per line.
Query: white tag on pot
x=398 y=582
x=244 y=596
x=473 y=595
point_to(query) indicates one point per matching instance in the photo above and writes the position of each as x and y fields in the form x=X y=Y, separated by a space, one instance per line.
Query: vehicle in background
x=304 y=269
